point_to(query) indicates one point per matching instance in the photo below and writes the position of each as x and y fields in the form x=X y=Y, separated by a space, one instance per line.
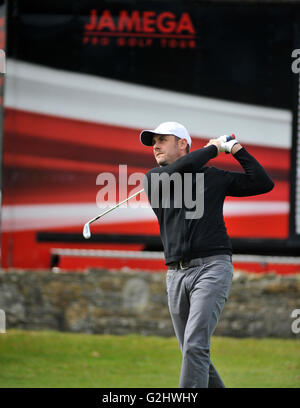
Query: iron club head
x=86 y=231
x=86 y=228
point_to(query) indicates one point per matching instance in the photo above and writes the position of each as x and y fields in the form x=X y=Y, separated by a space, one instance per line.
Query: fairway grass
x=55 y=359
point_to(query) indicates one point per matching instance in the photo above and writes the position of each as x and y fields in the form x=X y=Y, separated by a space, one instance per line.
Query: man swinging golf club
x=197 y=250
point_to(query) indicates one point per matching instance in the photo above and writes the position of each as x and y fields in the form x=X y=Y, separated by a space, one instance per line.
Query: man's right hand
x=215 y=142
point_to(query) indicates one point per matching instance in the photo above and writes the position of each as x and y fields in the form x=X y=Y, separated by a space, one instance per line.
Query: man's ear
x=183 y=143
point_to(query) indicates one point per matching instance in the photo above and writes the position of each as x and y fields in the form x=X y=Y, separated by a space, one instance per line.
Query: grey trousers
x=196 y=297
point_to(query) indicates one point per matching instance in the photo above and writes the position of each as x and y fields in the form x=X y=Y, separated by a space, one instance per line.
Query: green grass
x=55 y=359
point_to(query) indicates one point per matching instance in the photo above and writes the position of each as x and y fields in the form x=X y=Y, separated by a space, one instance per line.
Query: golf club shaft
x=117 y=205
x=229 y=137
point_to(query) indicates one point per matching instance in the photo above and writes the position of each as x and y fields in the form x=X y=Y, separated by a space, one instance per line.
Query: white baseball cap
x=166 y=128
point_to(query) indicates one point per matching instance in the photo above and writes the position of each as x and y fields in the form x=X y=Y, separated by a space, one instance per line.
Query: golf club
x=86 y=228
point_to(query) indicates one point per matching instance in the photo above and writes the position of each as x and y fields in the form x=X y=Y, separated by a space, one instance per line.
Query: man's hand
x=230 y=147
x=214 y=142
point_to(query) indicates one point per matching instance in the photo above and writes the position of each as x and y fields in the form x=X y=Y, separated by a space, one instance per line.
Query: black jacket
x=184 y=238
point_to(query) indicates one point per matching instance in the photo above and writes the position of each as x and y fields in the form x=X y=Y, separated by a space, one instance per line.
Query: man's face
x=167 y=149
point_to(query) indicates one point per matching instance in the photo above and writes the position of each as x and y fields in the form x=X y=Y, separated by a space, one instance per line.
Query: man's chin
x=161 y=162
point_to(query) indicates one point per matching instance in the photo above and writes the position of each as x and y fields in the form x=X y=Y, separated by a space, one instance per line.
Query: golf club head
x=86 y=231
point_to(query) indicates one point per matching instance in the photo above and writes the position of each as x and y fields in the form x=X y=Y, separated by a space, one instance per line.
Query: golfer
x=197 y=250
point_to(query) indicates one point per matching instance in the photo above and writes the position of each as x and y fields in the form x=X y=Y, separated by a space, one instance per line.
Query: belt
x=197 y=261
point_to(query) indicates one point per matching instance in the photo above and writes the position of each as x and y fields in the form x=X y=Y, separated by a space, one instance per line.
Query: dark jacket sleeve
x=191 y=162
x=254 y=181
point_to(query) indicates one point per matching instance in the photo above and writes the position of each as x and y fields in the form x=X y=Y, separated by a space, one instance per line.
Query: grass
x=56 y=359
